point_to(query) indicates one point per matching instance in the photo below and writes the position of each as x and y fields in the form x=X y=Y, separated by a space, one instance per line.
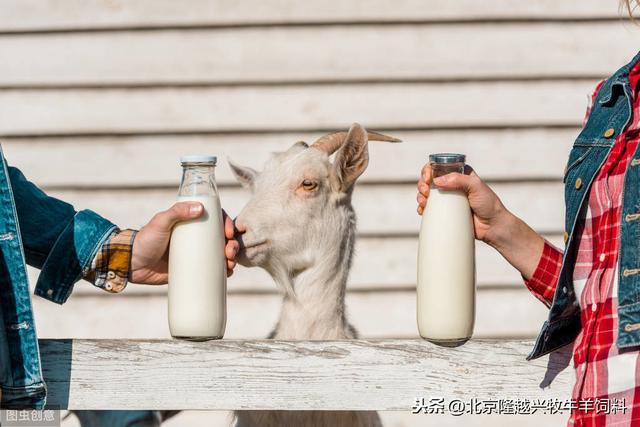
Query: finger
x=457 y=181
x=181 y=211
x=230 y=266
x=229 y=228
x=425 y=174
x=423 y=188
x=231 y=250
x=420 y=210
x=422 y=201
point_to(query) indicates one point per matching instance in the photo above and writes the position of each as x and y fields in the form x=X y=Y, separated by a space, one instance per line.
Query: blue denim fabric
x=611 y=110
x=49 y=234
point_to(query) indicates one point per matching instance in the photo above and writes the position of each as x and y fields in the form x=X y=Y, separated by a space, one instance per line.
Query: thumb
x=182 y=211
x=457 y=181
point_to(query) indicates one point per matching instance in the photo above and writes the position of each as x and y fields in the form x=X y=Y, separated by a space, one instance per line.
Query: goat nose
x=241 y=228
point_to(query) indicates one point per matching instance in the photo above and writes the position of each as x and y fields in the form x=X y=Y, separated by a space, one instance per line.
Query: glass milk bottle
x=197 y=264
x=446 y=261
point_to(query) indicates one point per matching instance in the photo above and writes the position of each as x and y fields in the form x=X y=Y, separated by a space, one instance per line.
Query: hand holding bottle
x=150 y=255
x=488 y=211
x=492 y=222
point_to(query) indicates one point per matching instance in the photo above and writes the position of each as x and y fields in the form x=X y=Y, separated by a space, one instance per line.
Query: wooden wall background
x=99 y=98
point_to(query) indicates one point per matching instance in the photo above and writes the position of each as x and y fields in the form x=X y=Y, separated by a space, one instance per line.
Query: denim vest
x=610 y=114
x=50 y=235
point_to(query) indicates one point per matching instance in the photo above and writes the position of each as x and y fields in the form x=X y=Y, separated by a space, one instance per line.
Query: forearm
x=518 y=243
x=538 y=261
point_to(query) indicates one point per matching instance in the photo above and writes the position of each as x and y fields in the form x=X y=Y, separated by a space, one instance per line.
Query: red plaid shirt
x=603 y=372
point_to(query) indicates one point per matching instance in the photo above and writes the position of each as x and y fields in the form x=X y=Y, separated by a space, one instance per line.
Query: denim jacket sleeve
x=56 y=239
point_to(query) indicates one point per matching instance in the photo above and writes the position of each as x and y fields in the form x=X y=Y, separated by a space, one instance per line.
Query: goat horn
x=331 y=142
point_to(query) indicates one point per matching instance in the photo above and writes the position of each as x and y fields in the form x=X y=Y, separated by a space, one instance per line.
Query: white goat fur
x=300 y=227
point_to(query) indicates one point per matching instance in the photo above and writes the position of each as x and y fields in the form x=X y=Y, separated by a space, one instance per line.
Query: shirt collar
x=620 y=79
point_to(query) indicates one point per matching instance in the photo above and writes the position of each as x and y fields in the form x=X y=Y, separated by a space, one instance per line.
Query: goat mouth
x=256 y=245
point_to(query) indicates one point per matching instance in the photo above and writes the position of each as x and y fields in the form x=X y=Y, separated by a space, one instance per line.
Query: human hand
x=150 y=253
x=489 y=214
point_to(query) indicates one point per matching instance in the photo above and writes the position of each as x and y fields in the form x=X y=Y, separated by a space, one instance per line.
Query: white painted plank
x=30 y=15
x=153 y=160
x=500 y=313
x=381 y=208
x=379 y=263
x=322 y=375
x=383 y=106
x=334 y=53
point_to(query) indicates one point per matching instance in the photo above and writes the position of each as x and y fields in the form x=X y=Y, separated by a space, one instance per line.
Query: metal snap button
x=632 y=217
x=111 y=275
x=629 y=327
x=578 y=183
x=609 y=132
x=565 y=236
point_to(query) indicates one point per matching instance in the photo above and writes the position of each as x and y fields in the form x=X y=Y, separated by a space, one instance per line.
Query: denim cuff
x=75 y=248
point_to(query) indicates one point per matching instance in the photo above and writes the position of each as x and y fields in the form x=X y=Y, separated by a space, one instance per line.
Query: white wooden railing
x=300 y=375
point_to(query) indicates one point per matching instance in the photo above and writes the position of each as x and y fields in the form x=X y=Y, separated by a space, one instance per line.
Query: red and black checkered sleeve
x=110 y=267
x=543 y=282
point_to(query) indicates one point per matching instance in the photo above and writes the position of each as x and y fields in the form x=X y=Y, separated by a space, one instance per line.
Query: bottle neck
x=440 y=169
x=198 y=181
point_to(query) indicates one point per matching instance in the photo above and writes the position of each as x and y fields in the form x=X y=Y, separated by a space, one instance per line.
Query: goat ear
x=353 y=157
x=244 y=174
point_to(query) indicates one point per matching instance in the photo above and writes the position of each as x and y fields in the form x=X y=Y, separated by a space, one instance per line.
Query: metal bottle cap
x=447 y=158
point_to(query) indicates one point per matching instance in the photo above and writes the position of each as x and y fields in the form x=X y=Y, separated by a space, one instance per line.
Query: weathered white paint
x=325 y=375
x=221 y=109
x=34 y=15
x=289 y=54
x=501 y=313
x=495 y=154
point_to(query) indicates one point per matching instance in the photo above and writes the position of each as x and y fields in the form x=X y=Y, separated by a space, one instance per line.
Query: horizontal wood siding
x=292 y=108
x=496 y=154
x=312 y=54
x=36 y=15
x=504 y=82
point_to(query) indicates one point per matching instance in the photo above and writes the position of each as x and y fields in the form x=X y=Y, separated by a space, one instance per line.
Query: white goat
x=300 y=226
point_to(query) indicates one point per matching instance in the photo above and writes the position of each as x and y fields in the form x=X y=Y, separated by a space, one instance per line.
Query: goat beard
x=282 y=276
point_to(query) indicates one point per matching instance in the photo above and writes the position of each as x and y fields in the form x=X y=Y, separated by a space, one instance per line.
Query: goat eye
x=309 y=185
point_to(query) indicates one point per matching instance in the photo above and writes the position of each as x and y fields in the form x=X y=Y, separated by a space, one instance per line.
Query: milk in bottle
x=446 y=261
x=197 y=265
